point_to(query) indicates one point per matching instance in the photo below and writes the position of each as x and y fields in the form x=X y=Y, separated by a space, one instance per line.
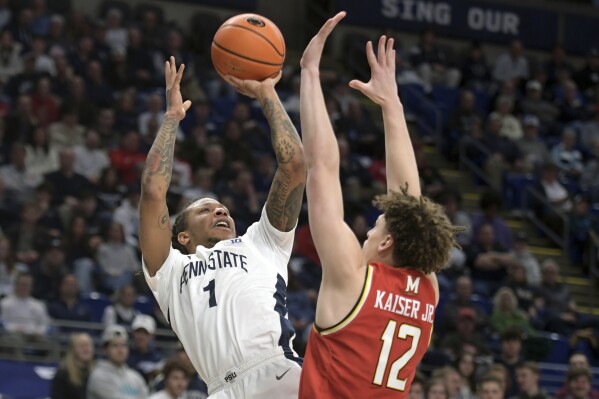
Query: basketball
x=248 y=46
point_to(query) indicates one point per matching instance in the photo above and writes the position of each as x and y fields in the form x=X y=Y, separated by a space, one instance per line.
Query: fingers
x=179 y=74
x=358 y=85
x=278 y=77
x=328 y=27
x=167 y=74
x=173 y=66
x=390 y=52
x=381 y=51
x=370 y=55
x=186 y=105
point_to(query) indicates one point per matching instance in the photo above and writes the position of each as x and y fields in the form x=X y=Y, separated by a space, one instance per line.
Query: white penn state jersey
x=227 y=304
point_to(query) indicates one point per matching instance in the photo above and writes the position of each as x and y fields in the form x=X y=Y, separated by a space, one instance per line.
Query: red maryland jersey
x=374 y=351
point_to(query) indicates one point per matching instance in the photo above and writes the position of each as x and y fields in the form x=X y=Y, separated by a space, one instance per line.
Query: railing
x=466 y=162
x=60 y=330
x=593 y=252
x=427 y=106
x=561 y=240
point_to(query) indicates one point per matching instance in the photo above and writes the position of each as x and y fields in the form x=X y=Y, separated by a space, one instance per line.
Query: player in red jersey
x=376 y=305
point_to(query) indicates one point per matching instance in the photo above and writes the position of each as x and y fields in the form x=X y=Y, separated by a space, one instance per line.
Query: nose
x=220 y=211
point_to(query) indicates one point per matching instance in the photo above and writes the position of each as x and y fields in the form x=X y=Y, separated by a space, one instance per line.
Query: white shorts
x=275 y=377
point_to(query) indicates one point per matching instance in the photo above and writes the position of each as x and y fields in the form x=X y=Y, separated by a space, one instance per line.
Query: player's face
x=176 y=383
x=375 y=237
x=208 y=222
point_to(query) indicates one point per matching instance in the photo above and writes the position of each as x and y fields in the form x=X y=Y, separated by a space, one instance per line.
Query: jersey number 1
x=405 y=331
x=210 y=288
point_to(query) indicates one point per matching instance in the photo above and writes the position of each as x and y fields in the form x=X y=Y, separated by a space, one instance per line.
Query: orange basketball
x=248 y=46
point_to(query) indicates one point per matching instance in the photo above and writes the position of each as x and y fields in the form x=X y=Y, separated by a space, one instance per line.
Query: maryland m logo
x=412 y=286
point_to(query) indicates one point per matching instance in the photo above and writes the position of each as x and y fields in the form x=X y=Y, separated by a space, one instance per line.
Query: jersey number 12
x=210 y=288
x=405 y=331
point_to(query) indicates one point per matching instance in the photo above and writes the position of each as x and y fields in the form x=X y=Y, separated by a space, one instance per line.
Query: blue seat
x=514 y=185
x=96 y=302
x=446 y=98
x=145 y=304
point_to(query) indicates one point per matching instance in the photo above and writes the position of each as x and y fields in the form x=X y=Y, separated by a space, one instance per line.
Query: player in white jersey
x=225 y=296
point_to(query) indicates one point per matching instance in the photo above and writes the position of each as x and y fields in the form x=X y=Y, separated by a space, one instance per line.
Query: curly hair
x=423 y=235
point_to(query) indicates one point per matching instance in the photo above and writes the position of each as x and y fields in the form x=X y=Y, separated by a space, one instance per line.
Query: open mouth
x=222 y=224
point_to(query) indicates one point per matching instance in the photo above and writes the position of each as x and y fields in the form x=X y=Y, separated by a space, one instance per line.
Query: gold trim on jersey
x=352 y=315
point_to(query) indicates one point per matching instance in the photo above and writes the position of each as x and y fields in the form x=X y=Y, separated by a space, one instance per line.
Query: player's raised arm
x=337 y=246
x=154 y=222
x=287 y=190
x=382 y=89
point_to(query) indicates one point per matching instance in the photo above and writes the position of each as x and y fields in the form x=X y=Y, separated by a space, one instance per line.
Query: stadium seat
x=514 y=185
x=145 y=304
x=96 y=302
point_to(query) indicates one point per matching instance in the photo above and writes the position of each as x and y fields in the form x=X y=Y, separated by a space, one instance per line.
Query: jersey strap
x=356 y=309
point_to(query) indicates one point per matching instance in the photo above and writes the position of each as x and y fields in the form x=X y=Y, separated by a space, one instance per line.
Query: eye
x=204 y=210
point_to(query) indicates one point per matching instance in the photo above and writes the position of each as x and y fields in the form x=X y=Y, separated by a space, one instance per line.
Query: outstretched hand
x=174 y=102
x=253 y=88
x=313 y=52
x=382 y=86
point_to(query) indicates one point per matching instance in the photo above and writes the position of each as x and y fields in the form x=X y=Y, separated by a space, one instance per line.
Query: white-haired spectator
x=90 y=158
x=566 y=156
x=116 y=35
x=512 y=65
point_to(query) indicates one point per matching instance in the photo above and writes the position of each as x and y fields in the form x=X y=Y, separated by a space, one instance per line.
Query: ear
x=183 y=238
x=386 y=246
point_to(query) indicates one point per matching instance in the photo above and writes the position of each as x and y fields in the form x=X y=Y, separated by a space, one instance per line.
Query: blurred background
x=502 y=102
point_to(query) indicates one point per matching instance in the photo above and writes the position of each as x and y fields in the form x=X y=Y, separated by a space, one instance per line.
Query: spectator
x=104 y=125
x=99 y=91
x=524 y=293
x=475 y=70
x=506 y=314
x=241 y=200
x=571 y=105
x=18 y=180
x=28 y=236
x=534 y=150
x=116 y=35
x=582 y=222
x=431 y=62
x=70 y=380
x=488 y=261
x=196 y=389
x=452 y=202
x=139 y=60
x=588 y=76
x=90 y=158
x=49 y=273
x=465 y=338
x=78 y=99
x=577 y=361
x=436 y=389
x=40 y=157
x=110 y=192
x=68 y=306
x=127 y=214
x=589 y=132
x=510 y=125
x=501 y=373
x=10 y=60
x=452 y=380
x=67 y=132
x=143 y=356
x=9 y=268
x=512 y=65
x=556 y=296
x=565 y=155
x=534 y=104
x=588 y=180
x=579 y=383
x=528 y=261
x=67 y=184
x=490 y=388
x=122 y=312
x=116 y=259
x=555 y=192
x=176 y=380
x=527 y=378
x=557 y=65
x=112 y=377
x=503 y=152
x=44 y=104
x=127 y=159
x=462 y=299
x=466 y=366
x=25 y=319
x=416 y=388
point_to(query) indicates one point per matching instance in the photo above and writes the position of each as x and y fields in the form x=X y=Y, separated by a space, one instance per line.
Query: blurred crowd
x=82 y=100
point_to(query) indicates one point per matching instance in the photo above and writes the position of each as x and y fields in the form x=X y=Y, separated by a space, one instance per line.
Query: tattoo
x=159 y=162
x=287 y=189
x=164 y=222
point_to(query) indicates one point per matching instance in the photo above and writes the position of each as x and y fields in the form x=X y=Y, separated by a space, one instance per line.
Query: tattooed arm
x=154 y=221
x=287 y=190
